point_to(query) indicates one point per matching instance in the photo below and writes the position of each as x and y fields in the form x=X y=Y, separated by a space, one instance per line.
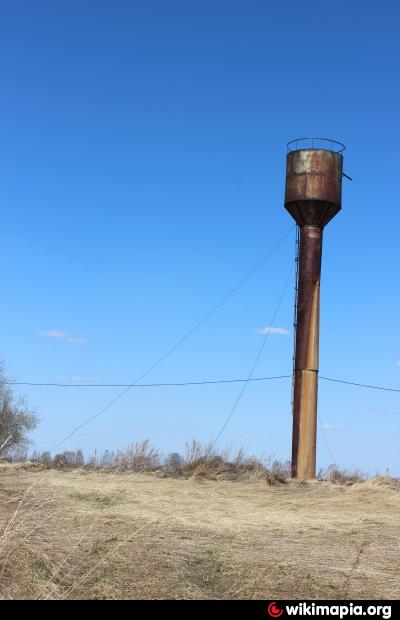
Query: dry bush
x=278 y=472
x=140 y=456
x=207 y=462
x=341 y=476
x=385 y=481
x=174 y=464
x=44 y=458
x=68 y=459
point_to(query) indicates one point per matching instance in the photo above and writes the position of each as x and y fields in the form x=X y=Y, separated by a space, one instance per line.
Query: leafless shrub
x=341 y=476
x=206 y=461
x=200 y=458
x=17 y=454
x=139 y=456
x=45 y=459
x=174 y=463
x=107 y=460
x=68 y=459
x=278 y=472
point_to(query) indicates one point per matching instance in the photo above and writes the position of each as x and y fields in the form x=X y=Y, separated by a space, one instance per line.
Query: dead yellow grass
x=107 y=536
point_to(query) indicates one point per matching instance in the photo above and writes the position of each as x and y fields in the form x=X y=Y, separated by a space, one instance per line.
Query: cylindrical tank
x=313 y=193
x=313 y=196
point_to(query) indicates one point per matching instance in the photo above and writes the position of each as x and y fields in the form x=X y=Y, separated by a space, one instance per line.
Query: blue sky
x=142 y=150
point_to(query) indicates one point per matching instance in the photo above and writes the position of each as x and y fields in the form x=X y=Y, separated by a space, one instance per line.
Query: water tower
x=313 y=196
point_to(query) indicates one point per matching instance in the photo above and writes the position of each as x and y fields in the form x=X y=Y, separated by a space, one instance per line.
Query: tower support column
x=306 y=358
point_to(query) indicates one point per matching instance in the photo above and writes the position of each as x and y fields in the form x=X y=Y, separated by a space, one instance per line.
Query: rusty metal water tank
x=314 y=174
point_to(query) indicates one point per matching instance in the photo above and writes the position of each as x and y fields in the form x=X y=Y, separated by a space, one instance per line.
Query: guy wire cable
x=178 y=343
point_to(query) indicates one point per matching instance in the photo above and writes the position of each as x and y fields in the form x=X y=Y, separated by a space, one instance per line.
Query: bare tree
x=17 y=419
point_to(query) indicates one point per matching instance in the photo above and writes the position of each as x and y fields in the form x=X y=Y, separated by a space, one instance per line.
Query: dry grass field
x=75 y=535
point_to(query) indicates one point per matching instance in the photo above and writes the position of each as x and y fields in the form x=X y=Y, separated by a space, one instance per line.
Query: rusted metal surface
x=306 y=360
x=304 y=442
x=313 y=196
x=313 y=193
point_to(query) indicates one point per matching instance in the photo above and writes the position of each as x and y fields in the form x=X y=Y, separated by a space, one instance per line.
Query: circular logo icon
x=274 y=611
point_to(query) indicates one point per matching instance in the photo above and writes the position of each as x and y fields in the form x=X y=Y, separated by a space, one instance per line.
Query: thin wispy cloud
x=280 y=331
x=75 y=340
x=331 y=427
x=53 y=333
x=398 y=364
x=60 y=335
x=379 y=414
